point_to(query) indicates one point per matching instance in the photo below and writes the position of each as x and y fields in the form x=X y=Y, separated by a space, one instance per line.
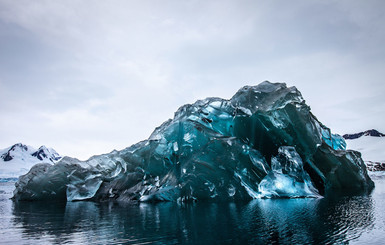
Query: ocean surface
x=358 y=219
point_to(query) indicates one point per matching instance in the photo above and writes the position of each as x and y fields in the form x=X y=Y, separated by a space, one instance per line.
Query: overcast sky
x=87 y=77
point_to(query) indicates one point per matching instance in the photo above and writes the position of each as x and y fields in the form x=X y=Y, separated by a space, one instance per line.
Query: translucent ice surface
x=287 y=177
x=262 y=143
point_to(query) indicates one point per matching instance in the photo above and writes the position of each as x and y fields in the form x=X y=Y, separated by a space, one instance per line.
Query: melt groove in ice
x=262 y=143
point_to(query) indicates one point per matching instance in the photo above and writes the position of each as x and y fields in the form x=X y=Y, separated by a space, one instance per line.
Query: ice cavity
x=287 y=177
x=262 y=143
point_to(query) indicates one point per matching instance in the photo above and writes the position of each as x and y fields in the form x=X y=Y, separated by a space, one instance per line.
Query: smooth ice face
x=262 y=143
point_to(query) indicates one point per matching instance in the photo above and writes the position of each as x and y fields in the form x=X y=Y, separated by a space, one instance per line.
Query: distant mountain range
x=371 y=132
x=19 y=158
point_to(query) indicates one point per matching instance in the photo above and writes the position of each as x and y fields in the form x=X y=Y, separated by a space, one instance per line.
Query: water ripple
x=289 y=221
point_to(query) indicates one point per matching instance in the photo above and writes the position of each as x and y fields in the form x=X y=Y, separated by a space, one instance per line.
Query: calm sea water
x=347 y=219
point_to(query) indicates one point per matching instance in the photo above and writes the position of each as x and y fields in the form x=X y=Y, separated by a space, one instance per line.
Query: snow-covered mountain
x=371 y=144
x=19 y=158
x=370 y=132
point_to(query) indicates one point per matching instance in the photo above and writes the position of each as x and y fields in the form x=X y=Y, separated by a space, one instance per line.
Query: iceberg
x=262 y=143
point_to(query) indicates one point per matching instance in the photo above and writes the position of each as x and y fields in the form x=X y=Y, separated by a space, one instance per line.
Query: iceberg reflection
x=261 y=221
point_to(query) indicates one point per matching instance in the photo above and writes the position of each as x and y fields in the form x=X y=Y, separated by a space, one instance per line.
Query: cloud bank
x=87 y=77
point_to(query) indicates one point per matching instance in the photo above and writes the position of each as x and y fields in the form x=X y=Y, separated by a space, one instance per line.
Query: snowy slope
x=371 y=144
x=18 y=159
x=371 y=148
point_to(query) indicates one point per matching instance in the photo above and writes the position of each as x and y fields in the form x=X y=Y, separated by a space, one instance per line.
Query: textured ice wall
x=264 y=142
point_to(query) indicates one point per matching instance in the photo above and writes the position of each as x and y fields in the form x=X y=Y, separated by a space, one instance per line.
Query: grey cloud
x=74 y=74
